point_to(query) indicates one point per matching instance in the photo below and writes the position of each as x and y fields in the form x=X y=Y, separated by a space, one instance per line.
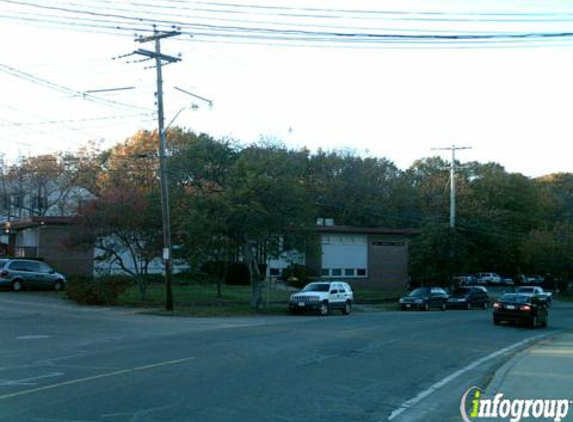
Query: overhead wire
x=301 y=35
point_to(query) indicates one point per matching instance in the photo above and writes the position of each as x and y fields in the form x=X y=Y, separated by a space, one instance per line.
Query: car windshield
x=422 y=291
x=317 y=287
x=515 y=298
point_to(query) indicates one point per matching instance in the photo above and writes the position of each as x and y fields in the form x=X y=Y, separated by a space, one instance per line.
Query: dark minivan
x=469 y=297
x=424 y=298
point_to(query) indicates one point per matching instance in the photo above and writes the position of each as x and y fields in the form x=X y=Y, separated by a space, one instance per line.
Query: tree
x=123 y=225
x=354 y=190
x=549 y=250
x=266 y=197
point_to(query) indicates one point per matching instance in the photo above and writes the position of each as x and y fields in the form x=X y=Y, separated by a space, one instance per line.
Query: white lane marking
x=26 y=381
x=94 y=377
x=408 y=404
x=33 y=337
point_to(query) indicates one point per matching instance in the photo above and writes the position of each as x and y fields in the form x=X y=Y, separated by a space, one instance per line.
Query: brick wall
x=387 y=262
x=67 y=260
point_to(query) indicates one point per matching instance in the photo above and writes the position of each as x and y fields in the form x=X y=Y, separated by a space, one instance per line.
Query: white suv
x=322 y=297
x=488 y=278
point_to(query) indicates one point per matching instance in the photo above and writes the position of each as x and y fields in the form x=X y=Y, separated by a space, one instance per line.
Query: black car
x=424 y=298
x=469 y=297
x=520 y=308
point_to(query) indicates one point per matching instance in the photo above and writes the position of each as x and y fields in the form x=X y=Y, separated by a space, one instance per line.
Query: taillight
x=525 y=308
x=3 y=273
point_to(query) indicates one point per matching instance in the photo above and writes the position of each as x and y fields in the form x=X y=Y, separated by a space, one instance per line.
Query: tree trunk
x=254 y=276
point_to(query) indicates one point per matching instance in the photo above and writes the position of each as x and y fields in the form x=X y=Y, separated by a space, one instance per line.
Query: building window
x=325 y=272
x=361 y=272
x=349 y=272
x=336 y=272
x=274 y=272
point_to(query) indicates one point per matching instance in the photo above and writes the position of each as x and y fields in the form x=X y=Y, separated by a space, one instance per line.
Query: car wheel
x=347 y=308
x=496 y=321
x=323 y=308
x=59 y=285
x=17 y=286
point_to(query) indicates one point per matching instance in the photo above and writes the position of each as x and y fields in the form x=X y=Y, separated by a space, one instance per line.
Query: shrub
x=98 y=291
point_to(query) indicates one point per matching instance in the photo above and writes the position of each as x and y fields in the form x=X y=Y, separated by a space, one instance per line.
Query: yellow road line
x=94 y=377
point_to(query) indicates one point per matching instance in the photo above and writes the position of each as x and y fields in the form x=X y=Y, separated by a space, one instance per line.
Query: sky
x=392 y=79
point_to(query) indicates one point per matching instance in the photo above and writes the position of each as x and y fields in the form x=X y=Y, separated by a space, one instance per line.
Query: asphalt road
x=61 y=362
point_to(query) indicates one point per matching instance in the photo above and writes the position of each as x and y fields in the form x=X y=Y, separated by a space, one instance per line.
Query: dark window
x=349 y=272
x=325 y=272
x=336 y=272
x=361 y=272
x=274 y=272
x=30 y=266
x=387 y=243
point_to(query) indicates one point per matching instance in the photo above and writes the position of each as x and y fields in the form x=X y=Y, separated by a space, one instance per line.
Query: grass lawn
x=202 y=300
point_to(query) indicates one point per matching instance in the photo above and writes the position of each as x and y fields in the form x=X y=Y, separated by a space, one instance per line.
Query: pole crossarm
x=158 y=36
x=155 y=55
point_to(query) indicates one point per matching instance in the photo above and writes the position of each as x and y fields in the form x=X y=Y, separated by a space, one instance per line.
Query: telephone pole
x=160 y=59
x=453 y=168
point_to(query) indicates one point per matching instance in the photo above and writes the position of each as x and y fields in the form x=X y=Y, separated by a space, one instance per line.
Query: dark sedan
x=469 y=297
x=424 y=298
x=520 y=308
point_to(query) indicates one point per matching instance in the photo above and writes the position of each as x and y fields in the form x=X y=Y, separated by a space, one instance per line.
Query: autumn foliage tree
x=122 y=224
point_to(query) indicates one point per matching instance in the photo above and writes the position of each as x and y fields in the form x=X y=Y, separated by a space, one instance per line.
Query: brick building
x=46 y=237
x=366 y=256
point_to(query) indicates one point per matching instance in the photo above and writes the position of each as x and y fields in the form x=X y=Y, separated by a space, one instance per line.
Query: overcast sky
x=382 y=78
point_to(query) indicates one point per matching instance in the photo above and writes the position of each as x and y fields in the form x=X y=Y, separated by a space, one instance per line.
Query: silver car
x=18 y=274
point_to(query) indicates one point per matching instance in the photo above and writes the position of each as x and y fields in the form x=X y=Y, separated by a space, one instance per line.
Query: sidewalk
x=543 y=371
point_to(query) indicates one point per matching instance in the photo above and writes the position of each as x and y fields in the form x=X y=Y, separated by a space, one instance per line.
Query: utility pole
x=452 y=167
x=160 y=59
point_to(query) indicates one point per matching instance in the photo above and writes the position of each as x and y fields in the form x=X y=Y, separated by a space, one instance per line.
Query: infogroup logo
x=475 y=407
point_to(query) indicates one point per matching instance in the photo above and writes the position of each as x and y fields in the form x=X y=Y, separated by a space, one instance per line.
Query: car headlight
x=401 y=300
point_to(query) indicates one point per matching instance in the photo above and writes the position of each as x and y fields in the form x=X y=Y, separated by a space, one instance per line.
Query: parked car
x=464 y=280
x=537 y=291
x=424 y=298
x=468 y=297
x=19 y=274
x=520 y=308
x=488 y=278
x=506 y=281
x=323 y=297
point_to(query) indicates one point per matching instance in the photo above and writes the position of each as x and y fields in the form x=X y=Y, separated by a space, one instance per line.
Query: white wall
x=344 y=255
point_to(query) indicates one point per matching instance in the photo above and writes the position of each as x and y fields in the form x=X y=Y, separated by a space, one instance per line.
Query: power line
x=60 y=88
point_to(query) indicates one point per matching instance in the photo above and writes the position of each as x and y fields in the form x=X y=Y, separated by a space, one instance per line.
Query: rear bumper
x=513 y=316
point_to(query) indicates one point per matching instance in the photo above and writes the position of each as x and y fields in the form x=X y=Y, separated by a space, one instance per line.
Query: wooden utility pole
x=453 y=167
x=160 y=59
